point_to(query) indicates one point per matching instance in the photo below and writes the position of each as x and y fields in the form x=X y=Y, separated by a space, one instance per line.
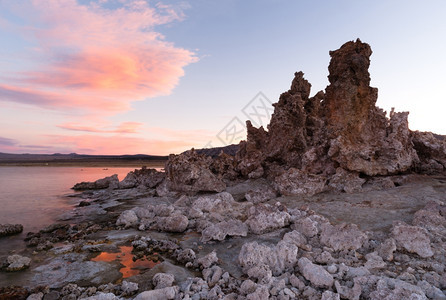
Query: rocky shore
x=334 y=200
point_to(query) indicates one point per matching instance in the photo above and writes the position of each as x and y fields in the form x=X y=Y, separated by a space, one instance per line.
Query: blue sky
x=228 y=52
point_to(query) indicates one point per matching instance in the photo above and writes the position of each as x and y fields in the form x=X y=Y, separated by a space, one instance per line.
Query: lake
x=36 y=196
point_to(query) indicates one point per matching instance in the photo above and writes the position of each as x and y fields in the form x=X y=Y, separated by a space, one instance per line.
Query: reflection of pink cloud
x=96 y=144
x=126 y=127
x=94 y=58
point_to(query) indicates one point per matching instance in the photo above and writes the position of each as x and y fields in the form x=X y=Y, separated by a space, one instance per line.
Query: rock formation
x=336 y=140
x=314 y=143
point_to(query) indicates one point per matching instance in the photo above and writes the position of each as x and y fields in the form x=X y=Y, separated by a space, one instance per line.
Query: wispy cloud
x=98 y=56
x=7 y=142
x=126 y=127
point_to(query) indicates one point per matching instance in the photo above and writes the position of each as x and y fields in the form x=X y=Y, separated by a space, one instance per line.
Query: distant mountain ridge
x=72 y=157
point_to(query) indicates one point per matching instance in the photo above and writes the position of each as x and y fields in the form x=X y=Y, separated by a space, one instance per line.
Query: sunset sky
x=160 y=77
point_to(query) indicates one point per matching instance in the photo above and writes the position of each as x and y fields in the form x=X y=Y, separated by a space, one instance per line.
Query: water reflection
x=125 y=257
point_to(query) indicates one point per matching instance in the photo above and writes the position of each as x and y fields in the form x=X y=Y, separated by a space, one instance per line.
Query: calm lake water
x=36 y=196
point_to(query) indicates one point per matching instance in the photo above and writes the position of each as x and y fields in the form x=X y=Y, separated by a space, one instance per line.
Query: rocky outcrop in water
x=111 y=182
x=10 y=229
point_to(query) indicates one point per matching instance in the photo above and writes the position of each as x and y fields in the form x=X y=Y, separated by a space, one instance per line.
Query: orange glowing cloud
x=98 y=56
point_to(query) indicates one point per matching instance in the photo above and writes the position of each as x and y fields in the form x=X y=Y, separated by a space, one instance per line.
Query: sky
x=160 y=77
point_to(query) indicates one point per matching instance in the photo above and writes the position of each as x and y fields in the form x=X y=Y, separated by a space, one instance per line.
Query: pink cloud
x=94 y=58
x=126 y=127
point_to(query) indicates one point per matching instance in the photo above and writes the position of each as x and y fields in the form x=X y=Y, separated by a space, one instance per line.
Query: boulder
x=263 y=218
x=219 y=231
x=208 y=260
x=173 y=223
x=413 y=239
x=128 y=218
x=222 y=203
x=279 y=258
x=163 y=280
x=190 y=172
x=160 y=294
x=262 y=194
x=316 y=274
x=342 y=236
x=150 y=178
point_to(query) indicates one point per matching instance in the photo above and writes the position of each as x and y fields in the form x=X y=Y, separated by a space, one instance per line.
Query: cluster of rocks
x=314 y=259
x=140 y=177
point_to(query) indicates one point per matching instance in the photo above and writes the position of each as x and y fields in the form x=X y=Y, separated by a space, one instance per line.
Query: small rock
x=17 y=262
x=35 y=296
x=128 y=218
x=163 y=280
x=342 y=236
x=374 y=261
x=316 y=274
x=160 y=294
x=328 y=295
x=279 y=258
x=261 y=293
x=173 y=223
x=208 y=260
x=128 y=288
x=84 y=203
x=263 y=218
x=219 y=231
x=413 y=239
x=386 y=249
x=53 y=295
